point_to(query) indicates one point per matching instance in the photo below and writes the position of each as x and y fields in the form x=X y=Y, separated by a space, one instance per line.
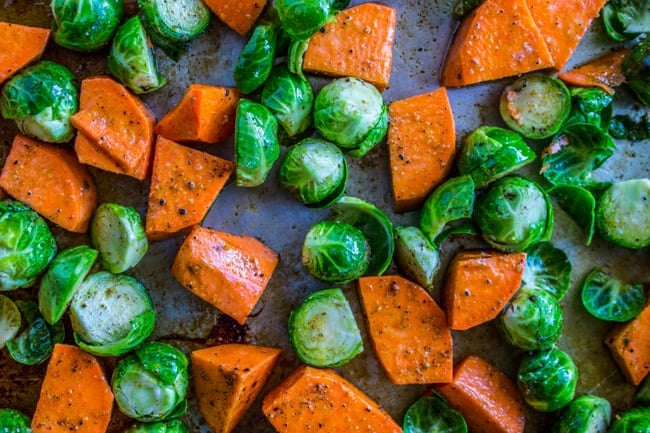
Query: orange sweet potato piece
x=629 y=344
x=408 y=330
x=228 y=378
x=75 y=395
x=88 y=153
x=239 y=15
x=604 y=72
x=184 y=183
x=225 y=270
x=421 y=147
x=488 y=400
x=20 y=46
x=205 y=114
x=498 y=39
x=358 y=44
x=479 y=284
x=50 y=180
x=563 y=23
x=320 y=400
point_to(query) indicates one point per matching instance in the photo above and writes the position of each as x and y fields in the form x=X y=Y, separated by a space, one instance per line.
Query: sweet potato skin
x=421 y=147
x=19 y=46
x=604 y=72
x=236 y=14
x=312 y=399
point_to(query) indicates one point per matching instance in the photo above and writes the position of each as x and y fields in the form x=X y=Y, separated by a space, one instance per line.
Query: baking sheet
x=424 y=30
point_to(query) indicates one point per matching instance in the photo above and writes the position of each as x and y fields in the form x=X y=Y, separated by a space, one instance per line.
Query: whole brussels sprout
x=302 y=18
x=291 y=98
x=547 y=379
x=585 y=414
x=41 y=99
x=85 y=25
x=151 y=383
x=171 y=426
x=12 y=421
x=26 y=245
x=635 y=420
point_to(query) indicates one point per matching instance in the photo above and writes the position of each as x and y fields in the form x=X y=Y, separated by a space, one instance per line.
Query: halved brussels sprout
x=623 y=214
x=585 y=414
x=514 y=213
x=335 y=252
x=12 y=421
x=636 y=420
x=36 y=342
x=590 y=105
x=625 y=19
x=548 y=269
x=151 y=383
x=314 y=172
x=171 y=426
x=433 y=414
x=490 y=152
x=26 y=245
x=9 y=320
x=580 y=204
x=118 y=233
x=416 y=257
x=322 y=330
x=547 y=379
x=172 y=24
x=131 y=59
x=41 y=99
x=256 y=58
x=608 y=298
x=291 y=98
x=302 y=18
x=451 y=201
x=85 y=25
x=111 y=314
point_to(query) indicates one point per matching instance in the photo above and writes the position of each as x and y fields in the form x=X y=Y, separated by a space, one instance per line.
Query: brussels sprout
x=547 y=379
x=463 y=228
x=36 y=342
x=590 y=105
x=451 y=201
x=625 y=19
x=535 y=105
x=335 y=252
x=9 y=320
x=608 y=298
x=514 y=213
x=26 y=245
x=151 y=383
x=490 y=152
x=111 y=314
x=296 y=55
x=585 y=414
x=322 y=330
x=171 y=426
x=375 y=226
x=376 y=134
x=12 y=421
x=66 y=272
x=290 y=97
x=574 y=153
x=347 y=110
x=41 y=99
x=580 y=204
x=532 y=320
x=463 y=7
x=85 y=25
x=642 y=395
x=173 y=24
x=256 y=58
x=117 y=232
x=131 y=59
x=302 y=18
x=338 y=5
x=635 y=420
x=625 y=127
x=433 y=414
x=623 y=214
x=416 y=257
x=314 y=172
x=256 y=143
x=548 y=269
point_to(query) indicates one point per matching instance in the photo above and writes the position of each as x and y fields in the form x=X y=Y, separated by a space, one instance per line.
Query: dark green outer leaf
x=302 y=18
x=85 y=25
x=585 y=414
x=636 y=68
x=291 y=98
x=376 y=134
x=433 y=415
x=590 y=105
x=35 y=344
x=548 y=269
x=635 y=420
x=256 y=58
x=12 y=421
x=580 y=204
x=608 y=298
x=451 y=201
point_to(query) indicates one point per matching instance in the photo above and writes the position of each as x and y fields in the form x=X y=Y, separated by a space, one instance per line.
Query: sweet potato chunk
x=604 y=72
x=237 y=14
x=20 y=46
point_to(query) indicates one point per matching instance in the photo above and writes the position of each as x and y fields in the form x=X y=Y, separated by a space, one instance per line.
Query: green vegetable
x=296 y=55
x=111 y=314
x=535 y=105
x=463 y=228
x=432 y=414
x=322 y=330
x=12 y=421
x=151 y=383
x=376 y=134
x=625 y=127
x=335 y=252
x=625 y=19
x=256 y=58
x=547 y=379
x=580 y=204
x=171 y=426
x=172 y=24
x=490 y=153
x=66 y=272
x=338 y=5
x=375 y=226
x=85 y=25
x=314 y=172
x=291 y=98
x=463 y=7
x=514 y=213
x=302 y=18
x=608 y=298
x=9 y=320
x=590 y=105
x=131 y=59
x=416 y=257
x=118 y=233
x=636 y=420
x=585 y=414
x=41 y=99
x=642 y=395
x=623 y=214
x=256 y=143
x=36 y=342
x=451 y=201
x=548 y=269
x=26 y=245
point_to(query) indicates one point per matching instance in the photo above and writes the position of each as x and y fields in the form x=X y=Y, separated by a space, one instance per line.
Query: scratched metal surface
x=424 y=30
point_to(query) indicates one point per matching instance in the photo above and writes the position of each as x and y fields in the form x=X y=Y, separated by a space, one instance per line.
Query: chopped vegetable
x=580 y=204
x=585 y=414
x=433 y=414
x=171 y=426
x=632 y=421
x=85 y=25
x=20 y=45
x=35 y=342
x=604 y=72
x=626 y=19
x=547 y=268
x=290 y=98
x=463 y=7
x=12 y=421
x=623 y=214
x=302 y=18
x=608 y=298
x=9 y=321
x=416 y=257
x=590 y=105
x=90 y=154
x=636 y=68
x=255 y=60
x=451 y=201
x=237 y=14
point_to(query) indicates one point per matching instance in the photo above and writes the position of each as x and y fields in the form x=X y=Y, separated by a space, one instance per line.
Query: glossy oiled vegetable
x=433 y=414
x=171 y=426
x=624 y=126
x=590 y=105
x=580 y=204
x=623 y=214
x=547 y=268
x=85 y=25
x=239 y=15
x=585 y=414
x=608 y=298
x=9 y=320
x=323 y=331
x=604 y=72
x=451 y=201
x=416 y=257
x=625 y=19
x=25 y=44
x=637 y=70
x=256 y=58
x=636 y=420
x=302 y=18
x=291 y=98
x=35 y=342
x=12 y=421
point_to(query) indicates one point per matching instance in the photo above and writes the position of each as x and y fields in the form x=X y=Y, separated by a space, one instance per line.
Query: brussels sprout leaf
x=256 y=58
x=624 y=19
x=608 y=298
x=547 y=269
x=451 y=201
x=580 y=204
x=34 y=344
x=291 y=98
x=433 y=414
x=636 y=68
